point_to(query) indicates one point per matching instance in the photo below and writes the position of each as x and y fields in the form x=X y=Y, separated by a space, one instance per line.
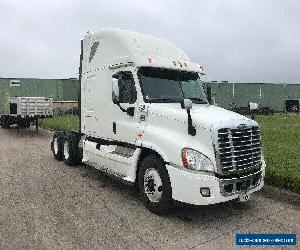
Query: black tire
x=27 y=124
x=57 y=151
x=165 y=201
x=72 y=156
x=5 y=123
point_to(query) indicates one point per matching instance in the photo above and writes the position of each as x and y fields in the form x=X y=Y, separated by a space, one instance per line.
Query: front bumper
x=186 y=186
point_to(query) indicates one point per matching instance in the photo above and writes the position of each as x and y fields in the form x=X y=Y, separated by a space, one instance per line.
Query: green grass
x=281 y=145
x=62 y=123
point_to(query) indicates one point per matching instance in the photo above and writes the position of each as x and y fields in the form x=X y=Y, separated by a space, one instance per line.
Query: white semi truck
x=145 y=119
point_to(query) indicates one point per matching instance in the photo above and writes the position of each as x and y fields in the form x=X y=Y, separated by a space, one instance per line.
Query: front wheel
x=154 y=184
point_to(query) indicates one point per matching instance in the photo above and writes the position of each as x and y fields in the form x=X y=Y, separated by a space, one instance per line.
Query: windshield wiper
x=198 y=100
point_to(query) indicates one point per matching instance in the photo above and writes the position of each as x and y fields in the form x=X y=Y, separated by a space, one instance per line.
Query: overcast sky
x=235 y=40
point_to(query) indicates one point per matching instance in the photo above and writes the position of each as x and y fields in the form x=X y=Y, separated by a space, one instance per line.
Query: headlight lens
x=193 y=159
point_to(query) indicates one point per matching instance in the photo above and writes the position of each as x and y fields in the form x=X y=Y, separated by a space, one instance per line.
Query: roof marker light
x=201 y=67
x=180 y=64
x=174 y=62
x=149 y=59
x=185 y=64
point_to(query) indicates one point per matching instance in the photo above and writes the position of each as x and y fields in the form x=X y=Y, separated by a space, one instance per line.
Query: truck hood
x=203 y=115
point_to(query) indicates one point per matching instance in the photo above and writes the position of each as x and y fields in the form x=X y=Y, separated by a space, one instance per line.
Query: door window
x=127 y=91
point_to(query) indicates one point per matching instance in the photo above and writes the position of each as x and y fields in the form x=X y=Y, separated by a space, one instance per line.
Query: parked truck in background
x=23 y=111
x=145 y=119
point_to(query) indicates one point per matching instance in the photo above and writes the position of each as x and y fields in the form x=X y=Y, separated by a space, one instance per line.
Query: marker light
x=174 y=62
x=150 y=59
x=185 y=64
x=180 y=64
x=201 y=67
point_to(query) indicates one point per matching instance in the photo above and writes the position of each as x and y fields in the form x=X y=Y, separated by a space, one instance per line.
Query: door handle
x=114 y=128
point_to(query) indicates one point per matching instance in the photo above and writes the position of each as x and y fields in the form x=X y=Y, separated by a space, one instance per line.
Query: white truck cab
x=146 y=120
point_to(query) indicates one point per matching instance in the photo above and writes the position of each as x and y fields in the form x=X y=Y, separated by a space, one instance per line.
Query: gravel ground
x=45 y=204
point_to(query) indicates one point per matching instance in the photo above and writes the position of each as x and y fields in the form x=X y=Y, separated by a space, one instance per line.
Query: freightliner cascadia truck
x=146 y=120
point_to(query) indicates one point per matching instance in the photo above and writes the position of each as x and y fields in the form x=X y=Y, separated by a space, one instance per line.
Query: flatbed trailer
x=23 y=111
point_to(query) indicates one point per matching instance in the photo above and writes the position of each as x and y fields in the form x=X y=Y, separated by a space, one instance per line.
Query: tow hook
x=244 y=197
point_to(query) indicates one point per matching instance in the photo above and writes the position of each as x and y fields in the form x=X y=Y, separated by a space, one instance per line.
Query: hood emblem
x=242 y=126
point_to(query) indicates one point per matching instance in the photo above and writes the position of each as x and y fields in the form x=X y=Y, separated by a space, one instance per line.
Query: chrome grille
x=239 y=148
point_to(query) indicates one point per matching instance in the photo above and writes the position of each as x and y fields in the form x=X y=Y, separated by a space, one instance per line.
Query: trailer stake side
x=26 y=110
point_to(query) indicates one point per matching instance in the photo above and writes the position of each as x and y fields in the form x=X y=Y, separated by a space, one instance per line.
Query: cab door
x=125 y=114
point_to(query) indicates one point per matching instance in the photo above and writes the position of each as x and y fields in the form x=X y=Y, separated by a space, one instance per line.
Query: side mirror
x=130 y=111
x=187 y=104
x=253 y=106
x=209 y=94
x=115 y=90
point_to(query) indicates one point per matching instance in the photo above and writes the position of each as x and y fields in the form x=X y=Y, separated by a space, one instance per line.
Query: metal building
x=224 y=94
x=58 y=89
x=270 y=95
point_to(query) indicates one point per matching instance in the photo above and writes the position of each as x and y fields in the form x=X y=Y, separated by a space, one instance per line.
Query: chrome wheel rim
x=55 y=146
x=152 y=185
x=66 y=150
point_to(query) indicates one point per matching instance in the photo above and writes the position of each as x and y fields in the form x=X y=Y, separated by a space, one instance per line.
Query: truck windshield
x=165 y=85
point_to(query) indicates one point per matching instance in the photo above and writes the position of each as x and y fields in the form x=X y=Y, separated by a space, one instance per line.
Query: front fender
x=170 y=142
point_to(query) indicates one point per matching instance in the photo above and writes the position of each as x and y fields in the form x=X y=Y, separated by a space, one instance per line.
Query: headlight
x=193 y=159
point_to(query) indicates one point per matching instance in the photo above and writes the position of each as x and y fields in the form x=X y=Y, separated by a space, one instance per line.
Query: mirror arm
x=191 y=128
x=129 y=111
x=124 y=110
x=187 y=104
